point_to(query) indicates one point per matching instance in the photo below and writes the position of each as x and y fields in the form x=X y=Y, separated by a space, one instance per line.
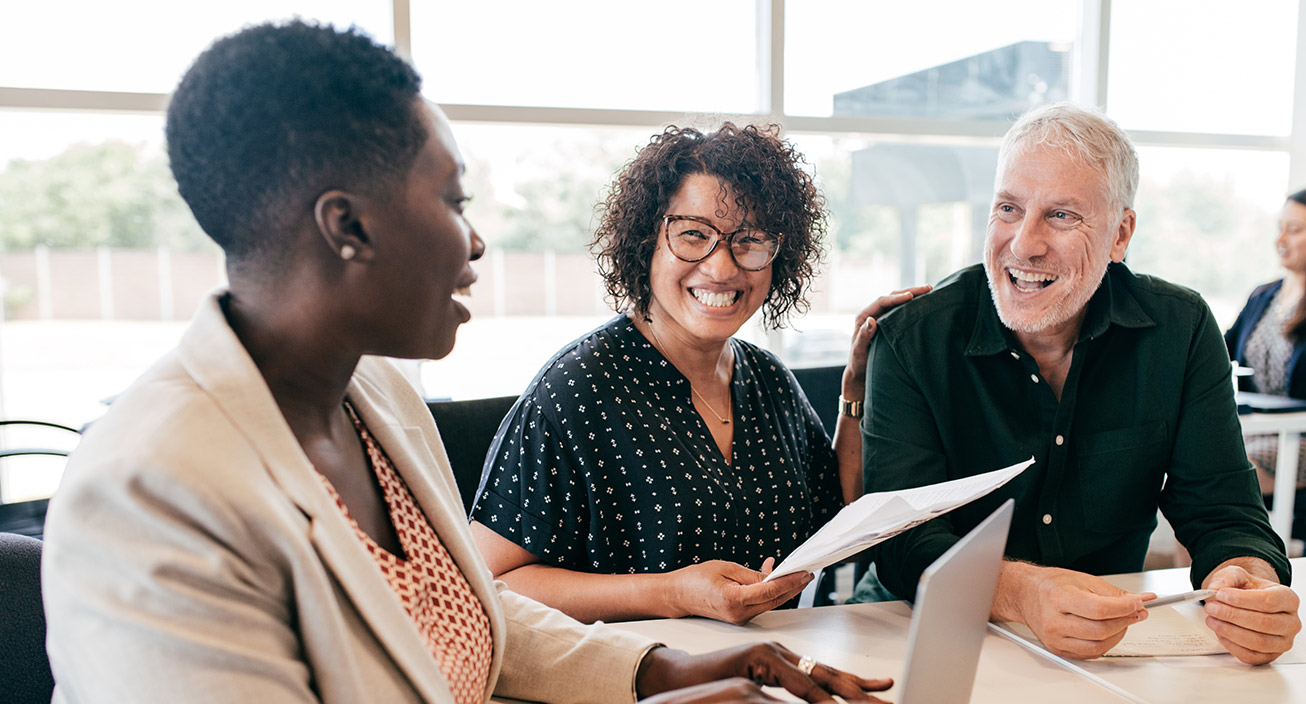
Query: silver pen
x=1184 y=598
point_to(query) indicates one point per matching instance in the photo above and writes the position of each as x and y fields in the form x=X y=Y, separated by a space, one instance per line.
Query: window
x=144 y=45
x=675 y=55
x=937 y=59
x=1227 y=68
x=898 y=107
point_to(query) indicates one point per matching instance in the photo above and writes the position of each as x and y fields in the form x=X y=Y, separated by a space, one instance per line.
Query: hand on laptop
x=737 y=675
x=1075 y=615
x=727 y=591
x=1254 y=618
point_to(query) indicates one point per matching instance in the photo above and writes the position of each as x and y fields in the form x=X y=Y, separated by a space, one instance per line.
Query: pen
x=1184 y=598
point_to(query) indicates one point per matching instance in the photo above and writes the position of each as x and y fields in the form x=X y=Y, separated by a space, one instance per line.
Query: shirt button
x=1014 y=355
x=1033 y=378
x=1047 y=519
x=1061 y=440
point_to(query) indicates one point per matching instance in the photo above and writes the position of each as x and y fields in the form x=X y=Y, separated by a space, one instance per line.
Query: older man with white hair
x=1117 y=383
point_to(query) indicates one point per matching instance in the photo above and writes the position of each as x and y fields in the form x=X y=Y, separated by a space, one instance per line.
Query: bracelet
x=852 y=409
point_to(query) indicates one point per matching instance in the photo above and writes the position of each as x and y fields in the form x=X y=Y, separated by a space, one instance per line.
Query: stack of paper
x=877 y=517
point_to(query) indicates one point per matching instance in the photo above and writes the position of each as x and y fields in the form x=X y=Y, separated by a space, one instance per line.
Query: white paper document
x=877 y=517
x=1169 y=630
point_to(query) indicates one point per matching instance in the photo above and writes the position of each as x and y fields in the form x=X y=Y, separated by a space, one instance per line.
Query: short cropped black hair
x=769 y=182
x=269 y=118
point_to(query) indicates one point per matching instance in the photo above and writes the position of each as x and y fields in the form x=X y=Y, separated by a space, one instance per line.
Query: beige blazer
x=192 y=555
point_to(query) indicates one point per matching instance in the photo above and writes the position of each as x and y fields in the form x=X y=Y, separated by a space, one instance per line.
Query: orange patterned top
x=432 y=589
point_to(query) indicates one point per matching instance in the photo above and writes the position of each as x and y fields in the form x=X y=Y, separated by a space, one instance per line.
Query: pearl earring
x=347 y=252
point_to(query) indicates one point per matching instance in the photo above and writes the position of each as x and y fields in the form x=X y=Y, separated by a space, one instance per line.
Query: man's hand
x=1075 y=615
x=727 y=591
x=1255 y=618
x=736 y=675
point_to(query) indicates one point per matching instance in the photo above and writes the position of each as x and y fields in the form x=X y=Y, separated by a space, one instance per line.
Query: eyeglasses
x=693 y=239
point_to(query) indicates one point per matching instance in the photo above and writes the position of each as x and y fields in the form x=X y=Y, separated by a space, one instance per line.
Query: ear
x=1124 y=233
x=337 y=215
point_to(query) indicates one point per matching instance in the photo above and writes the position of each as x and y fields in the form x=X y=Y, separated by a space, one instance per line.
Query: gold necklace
x=662 y=348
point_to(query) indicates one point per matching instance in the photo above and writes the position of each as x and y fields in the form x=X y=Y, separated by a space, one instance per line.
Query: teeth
x=463 y=291
x=1031 y=277
x=714 y=300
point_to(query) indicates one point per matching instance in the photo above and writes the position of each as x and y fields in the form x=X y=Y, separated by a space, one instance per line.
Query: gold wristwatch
x=852 y=409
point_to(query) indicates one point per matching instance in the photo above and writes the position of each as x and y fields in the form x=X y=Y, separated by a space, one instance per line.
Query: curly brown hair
x=767 y=177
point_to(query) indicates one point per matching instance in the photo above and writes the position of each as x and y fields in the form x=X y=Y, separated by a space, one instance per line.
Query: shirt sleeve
x=535 y=491
x=1209 y=461
x=551 y=657
x=901 y=448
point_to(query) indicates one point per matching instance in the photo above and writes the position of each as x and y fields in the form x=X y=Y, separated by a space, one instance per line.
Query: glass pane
x=1206 y=220
x=144 y=45
x=1226 y=67
x=100 y=265
x=534 y=189
x=900 y=214
x=849 y=57
x=676 y=55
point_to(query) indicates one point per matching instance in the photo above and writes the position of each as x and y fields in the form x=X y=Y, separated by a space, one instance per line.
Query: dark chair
x=468 y=428
x=25 y=676
x=28 y=517
x=822 y=385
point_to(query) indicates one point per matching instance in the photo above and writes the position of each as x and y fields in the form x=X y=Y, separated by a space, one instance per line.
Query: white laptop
x=951 y=615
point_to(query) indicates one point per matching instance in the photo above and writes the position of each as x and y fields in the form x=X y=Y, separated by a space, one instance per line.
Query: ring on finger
x=806 y=664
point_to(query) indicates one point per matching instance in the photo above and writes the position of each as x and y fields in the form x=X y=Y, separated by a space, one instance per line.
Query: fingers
x=1255 y=625
x=1096 y=607
x=735 y=690
x=765 y=596
x=1251 y=647
x=774 y=665
x=1082 y=638
x=767 y=565
x=848 y=686
x=884 y=304
x=1080 y=616
x=916 y=290
x=823 y=680
x=1272 y=598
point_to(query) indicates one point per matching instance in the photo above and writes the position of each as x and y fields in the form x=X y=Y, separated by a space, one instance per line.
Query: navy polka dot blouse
x=604 y=466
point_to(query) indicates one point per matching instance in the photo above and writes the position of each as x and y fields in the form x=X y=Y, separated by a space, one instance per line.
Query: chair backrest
x=822 y=386
x=25 y=676
x=33 y=439
x=468 y=428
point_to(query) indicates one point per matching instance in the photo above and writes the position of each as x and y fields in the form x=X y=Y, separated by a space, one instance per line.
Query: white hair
x=1083 y=133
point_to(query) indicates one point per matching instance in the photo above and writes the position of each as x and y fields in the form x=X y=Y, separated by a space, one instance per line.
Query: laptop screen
x=951 y=615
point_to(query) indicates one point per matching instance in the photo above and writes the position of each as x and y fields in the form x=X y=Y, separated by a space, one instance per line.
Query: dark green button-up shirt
x=1146 y=419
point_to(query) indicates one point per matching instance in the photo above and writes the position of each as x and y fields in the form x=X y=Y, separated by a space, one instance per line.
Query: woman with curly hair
x=653 y=459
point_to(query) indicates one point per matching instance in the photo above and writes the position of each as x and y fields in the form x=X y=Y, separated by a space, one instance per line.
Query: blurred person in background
x=1269 y=337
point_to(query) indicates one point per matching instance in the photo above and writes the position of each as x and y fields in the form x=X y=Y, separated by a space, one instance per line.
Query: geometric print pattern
x=434 y=592
x=605 y=466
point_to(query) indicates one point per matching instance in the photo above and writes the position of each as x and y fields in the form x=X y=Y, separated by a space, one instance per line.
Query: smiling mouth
x=715 y=300
x=1029 y=280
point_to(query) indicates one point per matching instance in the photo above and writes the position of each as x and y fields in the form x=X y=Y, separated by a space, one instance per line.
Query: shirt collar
x=1112 y=304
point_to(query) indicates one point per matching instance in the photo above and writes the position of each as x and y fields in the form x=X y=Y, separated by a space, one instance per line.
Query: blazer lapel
x=215 y=358
x=417 y=453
